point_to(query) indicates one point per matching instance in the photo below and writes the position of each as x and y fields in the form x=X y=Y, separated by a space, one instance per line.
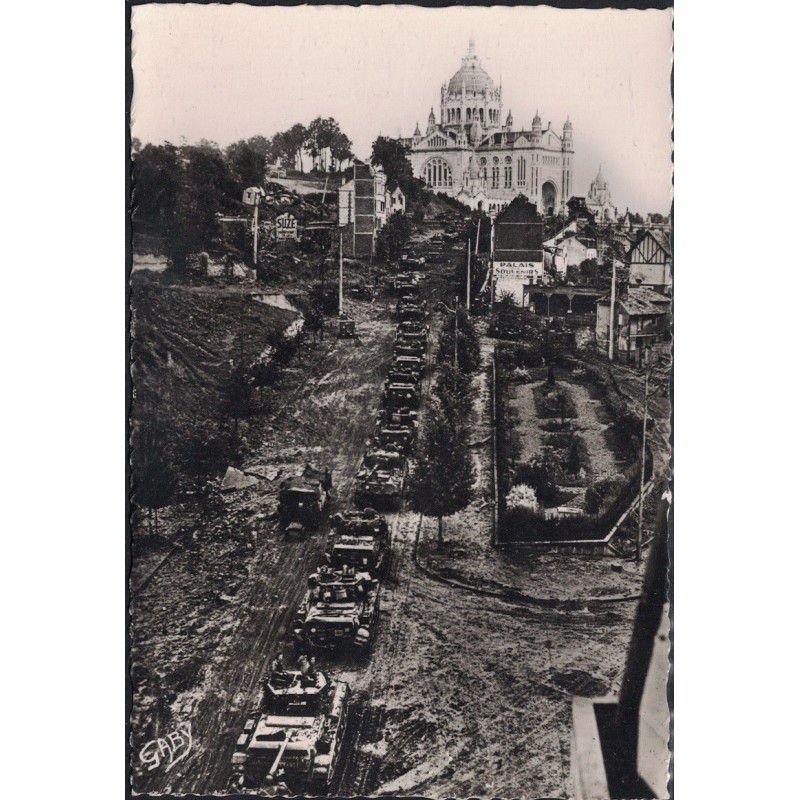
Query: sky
x=226 y=73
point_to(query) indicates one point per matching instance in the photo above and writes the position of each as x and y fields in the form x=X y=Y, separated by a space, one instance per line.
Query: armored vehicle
x=402 y=416
x=398 y=436
x=361 y=540
x=294 y=734
x=379 y=482
x=340 y=609
x=399 y=395
x=406 y=284
x=302 y=500
x=407 y=358
x=411 y=313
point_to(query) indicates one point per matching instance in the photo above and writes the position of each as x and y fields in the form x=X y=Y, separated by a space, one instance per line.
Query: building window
x=521 y=168
x=507 y=176
x=495 y=177
x=437 y=173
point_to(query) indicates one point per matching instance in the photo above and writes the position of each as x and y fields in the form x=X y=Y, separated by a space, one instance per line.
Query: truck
x=340 y=609
x=359 y=539
x=303 y=499
x=379 y=483
x=294 y=734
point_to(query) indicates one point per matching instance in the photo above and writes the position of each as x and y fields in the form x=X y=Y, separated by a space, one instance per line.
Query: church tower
x=431 y=123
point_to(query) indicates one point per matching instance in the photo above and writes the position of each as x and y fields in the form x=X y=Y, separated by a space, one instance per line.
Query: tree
x=506 y=302
x=574 y=458
x=154 y=477
x=454 y=392
x=321 y=135
x=341 y=149
x=573 y=273
x=288 y=145
x=441 y=483
x=392 y=156
x=589 y=270
x=469 y=346
x=393 y=237
x=248 y=160
x=157 y=180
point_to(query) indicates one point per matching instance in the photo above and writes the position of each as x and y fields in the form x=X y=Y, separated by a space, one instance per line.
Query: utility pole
x=644 y=457
x=469 y=245
x=611 y=310
x=341 y=276
x=255 y=232
x=455 y=344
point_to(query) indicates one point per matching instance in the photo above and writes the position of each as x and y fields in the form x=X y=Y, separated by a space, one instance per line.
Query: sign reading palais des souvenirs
x=286 y=227
x=517 y=270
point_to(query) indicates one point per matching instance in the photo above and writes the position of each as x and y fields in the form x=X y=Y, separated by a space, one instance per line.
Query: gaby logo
x=172 y=748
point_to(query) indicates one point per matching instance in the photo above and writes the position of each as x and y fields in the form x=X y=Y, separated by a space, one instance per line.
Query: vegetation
x=453 y=390
x=392 y=156
x=469 y=348
x=441 y=483
x=393 y=237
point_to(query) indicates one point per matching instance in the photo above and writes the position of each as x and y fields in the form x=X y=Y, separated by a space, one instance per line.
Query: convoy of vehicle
x=292 y=741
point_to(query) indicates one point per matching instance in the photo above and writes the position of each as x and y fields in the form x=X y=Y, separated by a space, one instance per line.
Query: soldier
x=277 y=664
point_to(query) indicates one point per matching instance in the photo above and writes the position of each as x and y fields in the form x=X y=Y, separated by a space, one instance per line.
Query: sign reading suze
x=518 y=269
x=286 y=227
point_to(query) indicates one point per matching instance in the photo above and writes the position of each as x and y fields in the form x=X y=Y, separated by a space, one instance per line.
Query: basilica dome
x=471 y=75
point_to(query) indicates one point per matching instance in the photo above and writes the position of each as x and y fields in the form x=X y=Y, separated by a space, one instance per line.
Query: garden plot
x=563 y=439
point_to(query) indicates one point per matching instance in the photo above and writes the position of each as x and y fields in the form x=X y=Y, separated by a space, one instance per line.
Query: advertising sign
x=518 y=270
x=286 y=227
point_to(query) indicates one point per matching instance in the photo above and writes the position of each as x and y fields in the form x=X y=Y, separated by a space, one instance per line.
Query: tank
x=379 y=482
x=406 y=357
x=302 y=500
x=359 y=539
x=293 y=735
x=397 y=435
x=340 y=609
x=403 y=394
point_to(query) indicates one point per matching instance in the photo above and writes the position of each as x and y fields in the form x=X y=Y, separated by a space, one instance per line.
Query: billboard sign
x=286 y=227
x=518 y=270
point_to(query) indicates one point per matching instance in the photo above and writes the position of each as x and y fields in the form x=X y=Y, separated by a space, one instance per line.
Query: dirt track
x=462 y=695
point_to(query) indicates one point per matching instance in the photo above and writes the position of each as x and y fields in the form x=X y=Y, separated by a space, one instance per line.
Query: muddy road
x=462 y=695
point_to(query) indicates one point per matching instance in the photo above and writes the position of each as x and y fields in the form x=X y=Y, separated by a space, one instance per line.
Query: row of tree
x=441 y=484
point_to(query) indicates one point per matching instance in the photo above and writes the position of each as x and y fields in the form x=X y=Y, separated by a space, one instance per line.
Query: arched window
x=437 y=173
x=521 y=167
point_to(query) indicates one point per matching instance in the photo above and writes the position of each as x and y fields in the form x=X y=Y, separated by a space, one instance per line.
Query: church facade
x=475 y=156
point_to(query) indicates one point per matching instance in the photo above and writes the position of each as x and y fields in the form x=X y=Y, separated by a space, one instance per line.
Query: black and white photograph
x=400 y=401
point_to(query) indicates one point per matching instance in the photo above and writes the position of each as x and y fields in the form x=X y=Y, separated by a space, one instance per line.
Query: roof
x=642 y=301
x=659 y=237
x=471 y=75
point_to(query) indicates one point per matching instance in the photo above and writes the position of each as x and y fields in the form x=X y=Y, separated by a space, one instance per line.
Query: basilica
x=474 y=155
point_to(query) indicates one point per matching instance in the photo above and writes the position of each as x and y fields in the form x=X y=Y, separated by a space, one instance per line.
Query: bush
x=522 y=496
x=543 y=474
